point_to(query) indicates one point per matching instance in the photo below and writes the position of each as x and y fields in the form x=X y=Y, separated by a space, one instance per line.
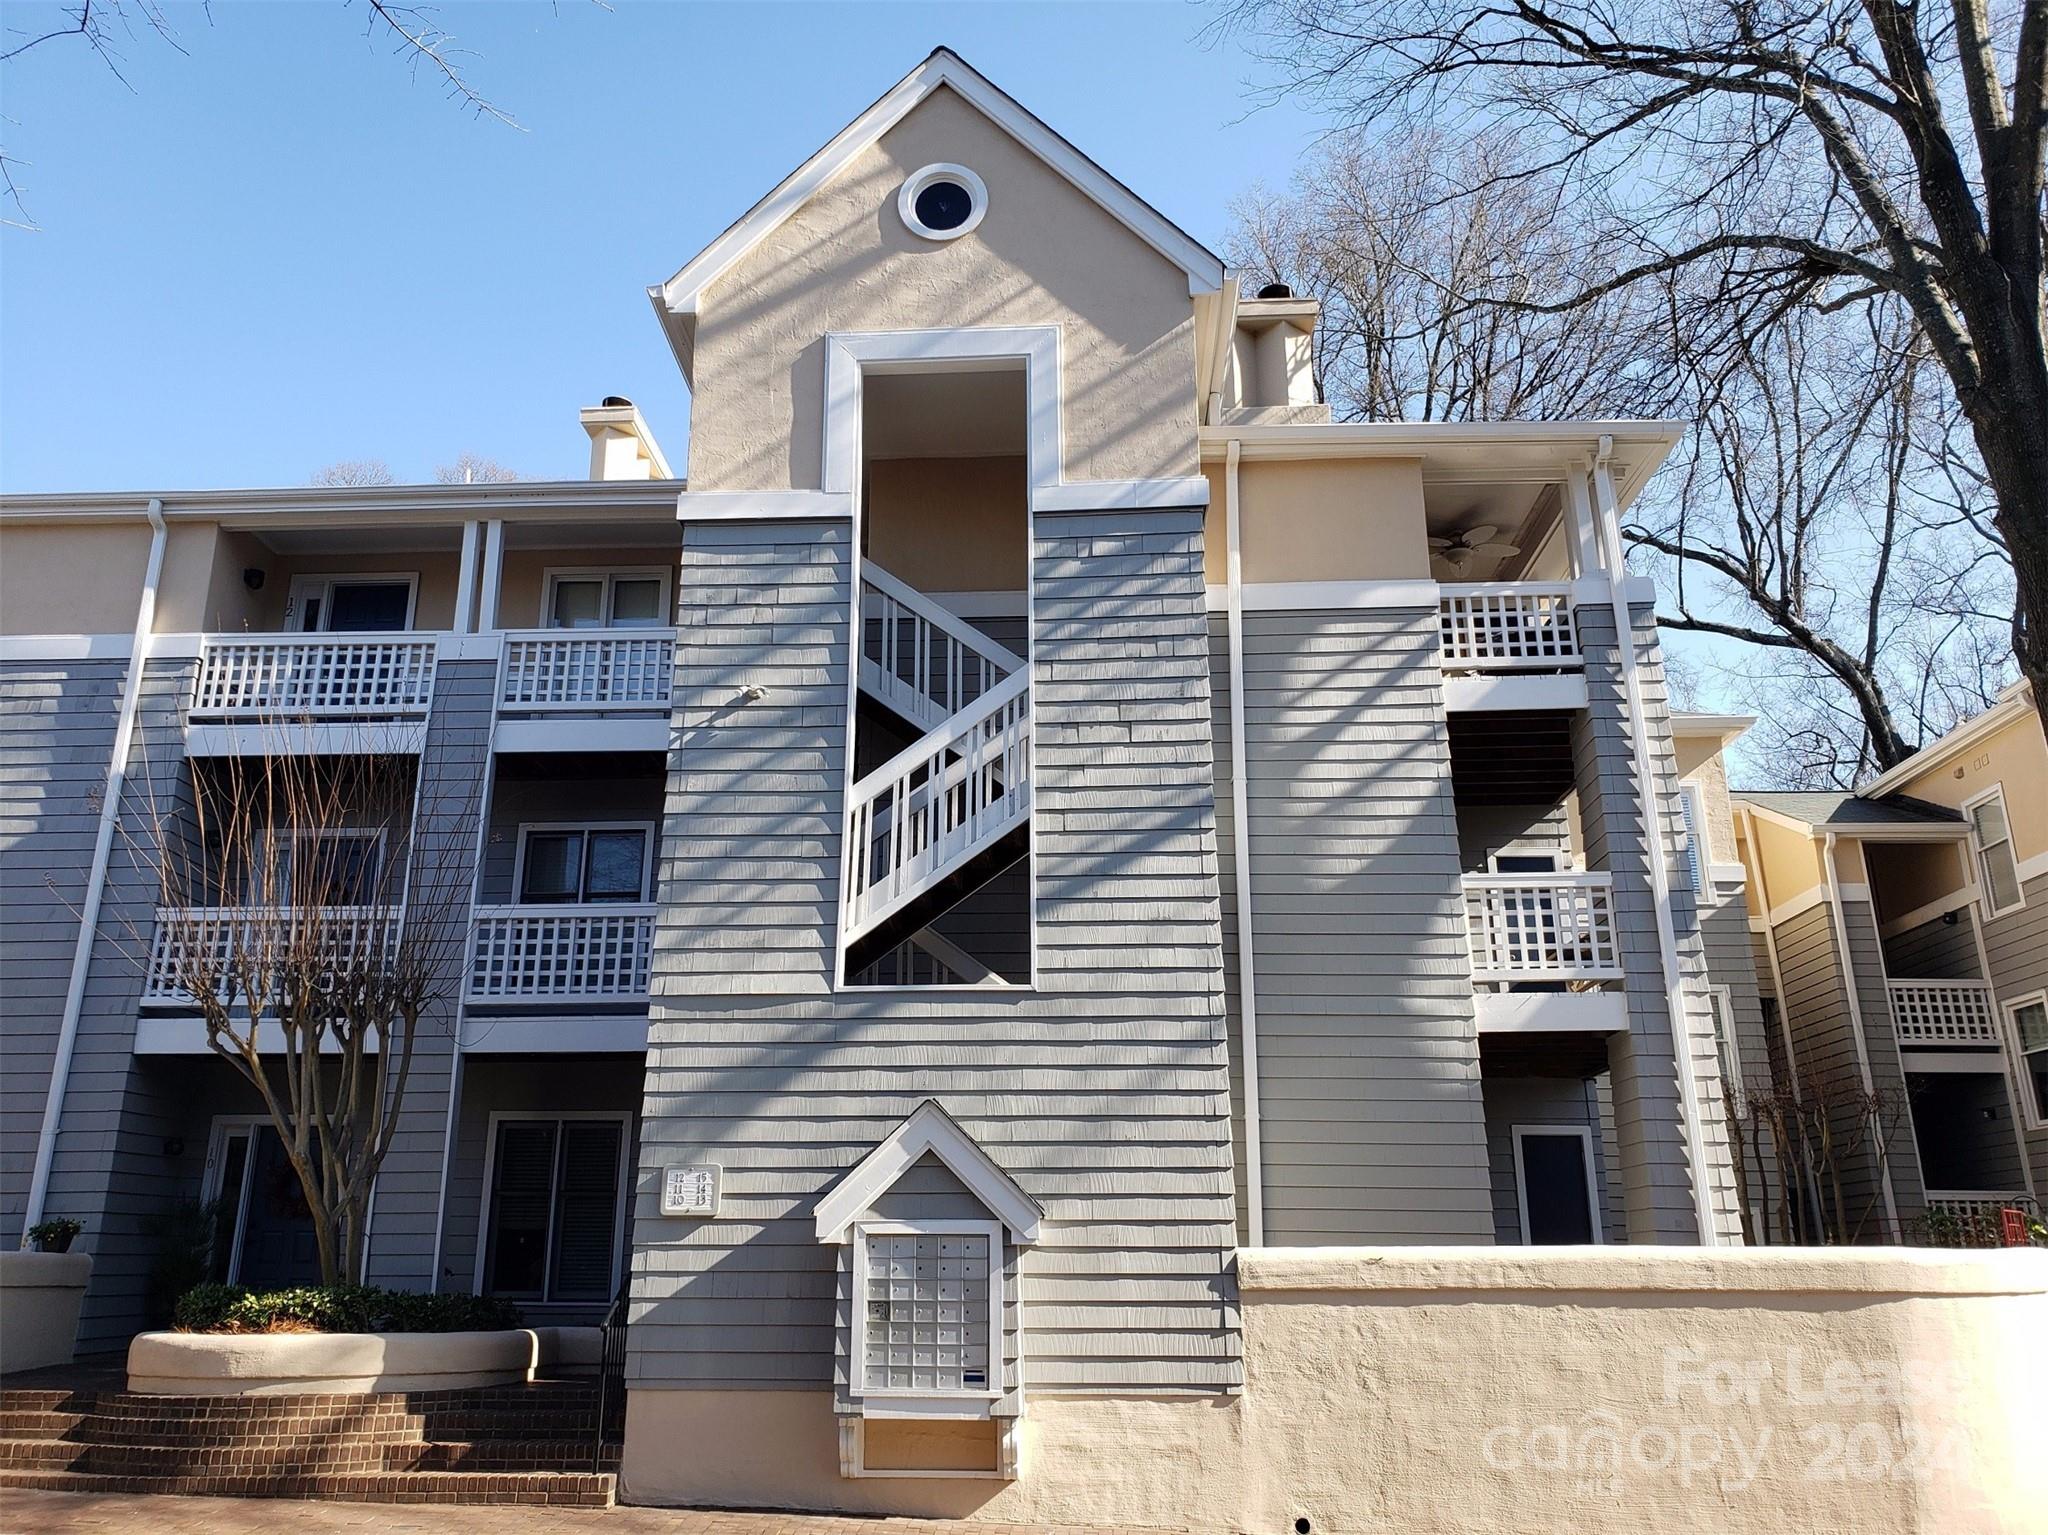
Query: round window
x=942 y=202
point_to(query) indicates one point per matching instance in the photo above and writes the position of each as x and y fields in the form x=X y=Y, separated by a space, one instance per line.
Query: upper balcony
x=337 y=639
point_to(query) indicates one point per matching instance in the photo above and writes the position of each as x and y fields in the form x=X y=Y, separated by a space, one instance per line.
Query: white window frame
x=624 y=1117
x=2012 y=852
x=1692 y=825
x=965 y=1403
x=226 y=1126
x=610 y=575
x=322 y=586
x=295 y=836
x=918 y=180
x=1721 y=1000
x=1585 y=1134
x=1560 y=858
x=2030 y=1107
x=528 y=828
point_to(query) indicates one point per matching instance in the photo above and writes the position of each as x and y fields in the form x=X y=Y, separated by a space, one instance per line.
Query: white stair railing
x=1502 y=625
x=541 y=953
x=559 y=671
x=1542 y=927
x=929 y=809
x=923 y=662
x=1942 y=1013
x=290 y=677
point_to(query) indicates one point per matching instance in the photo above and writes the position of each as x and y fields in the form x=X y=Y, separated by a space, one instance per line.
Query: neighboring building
x=1052 y=810
x=1934 y=881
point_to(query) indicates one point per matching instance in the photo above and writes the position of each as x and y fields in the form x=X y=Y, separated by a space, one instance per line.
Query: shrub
x=224 y=1308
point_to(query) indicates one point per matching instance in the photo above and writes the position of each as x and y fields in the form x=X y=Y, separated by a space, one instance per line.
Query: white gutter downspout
x=1608 y=529
x=96 y=878
x=1241 y=855
x=1850 y=988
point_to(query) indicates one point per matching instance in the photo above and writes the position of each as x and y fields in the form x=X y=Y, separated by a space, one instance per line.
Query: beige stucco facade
x=1336 y=519
x=1587 y=1390
x=2014 y=757
x=1044 y=255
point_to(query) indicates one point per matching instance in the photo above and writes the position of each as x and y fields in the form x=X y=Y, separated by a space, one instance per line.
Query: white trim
x=572 y=733
x=1608 y=525
x=1083 y=497
x=1560 y=860
x=2017 y=1053
x=450 y=646
x=223 y=1128
x=528 y=828
x=914 y=187
x=681 y=294
x=1972 y=1063
x=762 y=505
x=1241 y=856
x=965 y=1402
x=1730 y=873
x=1692 y=801
x=111 y=794
x=321 y=585
x=465 y=580
x=1550 y=1012
x=2011 y=846
x=2012 y=704
x=494 y=574
x=66 y=647
x=1517 y=1134
x=1563 y=691
x=928 y=1129
x=490 y=1034
x=1721 y=999
x=356 y=506
x=1292 y=596
x=2030 y=868
x=316 y=738
x=610 y=575
x=160 y=1033
x=622 y=1187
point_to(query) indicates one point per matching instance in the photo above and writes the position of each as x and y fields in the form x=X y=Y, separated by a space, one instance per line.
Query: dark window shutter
x=521 y=1181
x=586 y=1210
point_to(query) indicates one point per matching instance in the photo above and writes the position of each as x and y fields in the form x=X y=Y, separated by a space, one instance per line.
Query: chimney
x=1272 y=359
x=621 y=447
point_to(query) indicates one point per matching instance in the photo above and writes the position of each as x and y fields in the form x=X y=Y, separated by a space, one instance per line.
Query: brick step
x=39 y=1425
x=496 y=1455
x=253 y=1458
x=573 y=1489
x=202 y=1434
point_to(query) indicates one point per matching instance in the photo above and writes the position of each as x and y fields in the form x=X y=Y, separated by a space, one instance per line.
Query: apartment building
x=1040 y=808
x=1902 y=951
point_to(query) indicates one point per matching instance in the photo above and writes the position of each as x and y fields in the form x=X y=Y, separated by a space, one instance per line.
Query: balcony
x=346 y=932
x=571 y=690
x=317 y=693
x=1510 y=645
x=1541 y=927
x=1943 y=1015
x=595 y=953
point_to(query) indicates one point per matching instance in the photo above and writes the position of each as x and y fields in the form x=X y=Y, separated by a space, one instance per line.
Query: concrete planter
x=40 y=1294
x=281 y=1364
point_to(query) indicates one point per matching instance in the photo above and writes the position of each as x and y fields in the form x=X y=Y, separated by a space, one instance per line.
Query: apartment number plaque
x=689 y=1190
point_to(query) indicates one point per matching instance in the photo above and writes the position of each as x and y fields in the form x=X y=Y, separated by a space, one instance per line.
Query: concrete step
x=469 y=1488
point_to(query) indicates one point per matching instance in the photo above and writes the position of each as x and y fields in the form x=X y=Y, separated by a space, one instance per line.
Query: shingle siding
x=1103 y=1091
x=1369 y=1088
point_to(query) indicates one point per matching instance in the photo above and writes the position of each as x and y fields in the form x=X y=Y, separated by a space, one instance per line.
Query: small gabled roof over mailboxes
x=678 y=297
x=928 y=1130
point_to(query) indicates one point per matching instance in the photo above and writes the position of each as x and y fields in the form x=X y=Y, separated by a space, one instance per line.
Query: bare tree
x=356 y=471
x=1822 y=514
x=313 y=936
x=475 y=469
x=1800 y=1145
x=1778 y=157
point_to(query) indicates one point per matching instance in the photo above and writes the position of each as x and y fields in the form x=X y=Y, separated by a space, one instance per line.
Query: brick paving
x=24 y=1512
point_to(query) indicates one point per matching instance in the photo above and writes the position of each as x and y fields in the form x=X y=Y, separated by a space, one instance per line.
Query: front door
x=1554 y=1172
x=265 y=1227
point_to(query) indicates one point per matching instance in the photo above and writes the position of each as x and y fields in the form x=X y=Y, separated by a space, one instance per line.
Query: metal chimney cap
x=1276 y=290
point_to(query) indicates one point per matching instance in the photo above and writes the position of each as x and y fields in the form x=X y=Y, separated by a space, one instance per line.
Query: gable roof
x=1836 y=811
x=929 y=1129
x=676 y=300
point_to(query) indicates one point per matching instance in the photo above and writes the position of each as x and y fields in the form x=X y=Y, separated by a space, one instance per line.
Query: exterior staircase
x=951 y=810
x=536 y=1443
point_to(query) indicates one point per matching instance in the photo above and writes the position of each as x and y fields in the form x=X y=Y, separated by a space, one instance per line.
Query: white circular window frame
x=906 y=201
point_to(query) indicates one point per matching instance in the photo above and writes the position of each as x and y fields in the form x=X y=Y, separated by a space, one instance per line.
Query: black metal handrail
x=611 y=1380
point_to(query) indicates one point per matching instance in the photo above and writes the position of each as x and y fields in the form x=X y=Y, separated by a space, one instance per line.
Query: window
x=1997 y=865
x=943 y=202
x=336 y=866
x=1692 y=848
x=2030 y=1026
x=607 y=599
x=928 y=1298
x=1519 y=860
x=552 y=1218
x=580 y=864
x=350 y=604
x=1721 y=1004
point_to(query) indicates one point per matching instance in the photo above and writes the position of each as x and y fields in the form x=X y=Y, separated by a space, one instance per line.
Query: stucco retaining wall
x=40 y=1296
x=271 y=1364
x=1579 y=1390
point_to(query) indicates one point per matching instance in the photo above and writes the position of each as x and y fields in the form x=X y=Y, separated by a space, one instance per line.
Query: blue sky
x=281 y=248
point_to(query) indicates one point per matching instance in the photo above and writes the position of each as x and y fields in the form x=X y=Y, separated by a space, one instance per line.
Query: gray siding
x=573 y=796
x=2017 y=946
x=1935 y=951
x=1103 y=1091
x=1373 y=1128
x=56 y=729
x=1484 y=830
x=1647 y=1094
x=1732 y=956
x=406 y=1203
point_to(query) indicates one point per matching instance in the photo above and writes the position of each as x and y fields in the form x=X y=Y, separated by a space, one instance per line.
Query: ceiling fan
x=1457 y=551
